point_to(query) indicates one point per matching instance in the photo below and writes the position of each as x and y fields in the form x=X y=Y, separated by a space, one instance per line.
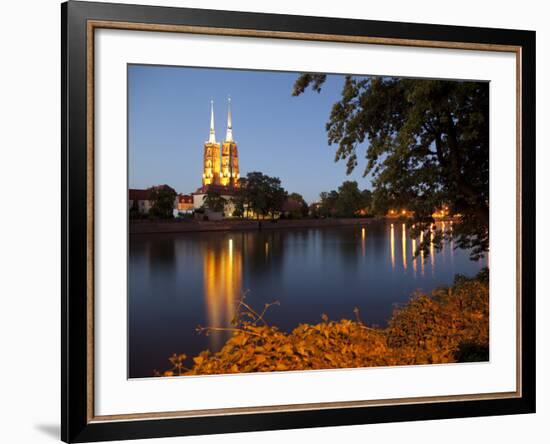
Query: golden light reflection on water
x=414 y=257
x=222 y=286
x=422 y=254
x=363 y=240
x=392 y=246
x=408 y=256
x=404 y=245
x=443 y=243
x=432 y=249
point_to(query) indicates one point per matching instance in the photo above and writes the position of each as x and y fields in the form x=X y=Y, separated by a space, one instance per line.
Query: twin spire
x=212 y=137
x=229 y=132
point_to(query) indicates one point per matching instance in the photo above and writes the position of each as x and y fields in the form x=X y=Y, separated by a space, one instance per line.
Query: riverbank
x=450 y=325
x=189 y=225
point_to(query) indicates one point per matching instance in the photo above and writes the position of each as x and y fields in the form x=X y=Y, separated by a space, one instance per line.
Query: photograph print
x=286 y=221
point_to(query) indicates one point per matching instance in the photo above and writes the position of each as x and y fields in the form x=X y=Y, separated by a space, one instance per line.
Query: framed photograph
x=276 y=221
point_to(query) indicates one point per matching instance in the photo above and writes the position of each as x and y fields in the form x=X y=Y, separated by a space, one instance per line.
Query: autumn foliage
x=450 y=325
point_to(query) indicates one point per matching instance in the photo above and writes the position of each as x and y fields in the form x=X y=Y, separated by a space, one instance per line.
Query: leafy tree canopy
x=296 y=206
x=426 y=146
x=262 y=194
x=214 y=201
x=350 y=199
x=162 y=198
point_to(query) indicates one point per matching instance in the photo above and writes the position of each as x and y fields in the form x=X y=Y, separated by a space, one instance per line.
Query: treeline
x=262 y=196
x=347 y=201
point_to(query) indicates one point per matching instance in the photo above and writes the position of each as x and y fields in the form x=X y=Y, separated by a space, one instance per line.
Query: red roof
x=185 y=198
x=134 y=194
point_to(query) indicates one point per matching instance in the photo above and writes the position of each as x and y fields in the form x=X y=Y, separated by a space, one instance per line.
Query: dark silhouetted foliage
x=426 y=144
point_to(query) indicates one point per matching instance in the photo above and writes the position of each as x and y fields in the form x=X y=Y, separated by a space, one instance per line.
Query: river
x=180 y=281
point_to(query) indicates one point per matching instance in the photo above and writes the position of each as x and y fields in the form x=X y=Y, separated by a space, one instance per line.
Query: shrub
x=450 y=325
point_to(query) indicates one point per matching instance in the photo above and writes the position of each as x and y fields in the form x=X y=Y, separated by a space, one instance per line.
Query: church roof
x=135 y=194
x=223 y=190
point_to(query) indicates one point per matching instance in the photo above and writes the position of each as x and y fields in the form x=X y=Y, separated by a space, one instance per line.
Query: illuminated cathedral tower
x=229 y=176
x=211 y=170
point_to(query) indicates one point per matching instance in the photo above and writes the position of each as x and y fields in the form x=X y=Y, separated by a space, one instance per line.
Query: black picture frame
x=76 y=424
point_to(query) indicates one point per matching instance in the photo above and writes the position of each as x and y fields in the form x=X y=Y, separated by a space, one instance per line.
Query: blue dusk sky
x=277 y=134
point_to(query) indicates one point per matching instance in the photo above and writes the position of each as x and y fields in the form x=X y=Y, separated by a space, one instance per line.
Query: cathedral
x=220 y=163
x=221 y=169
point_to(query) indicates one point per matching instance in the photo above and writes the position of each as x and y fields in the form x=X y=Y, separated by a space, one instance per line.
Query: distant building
x=139 y=200
x=220 y=168
x=226 y=192
x=185 y=203
x=220 y=174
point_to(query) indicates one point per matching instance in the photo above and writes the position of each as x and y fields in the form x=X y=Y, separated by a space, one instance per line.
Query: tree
x=367 y=199
x=239 y=199
x=264 y=194
x=238 y=207
x=296 y=206
x=162 y=198
x=134 y=211
x=214 y=201
x=350 y=199
x=427 y=146
x=328 y=203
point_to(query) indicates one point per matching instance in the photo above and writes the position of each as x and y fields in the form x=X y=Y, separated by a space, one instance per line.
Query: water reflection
x=413 y=241
x=392 y=246
x=177 y=282
x=162 y=255
x=432 y=249
x=404 y=246
x=222 y=286
x=363 y=241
